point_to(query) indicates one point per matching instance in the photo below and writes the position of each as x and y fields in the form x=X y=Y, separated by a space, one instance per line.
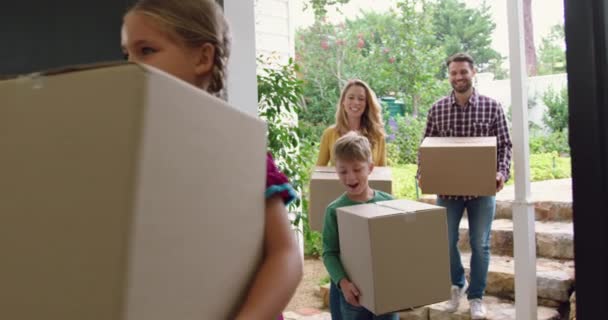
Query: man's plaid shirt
x=481 y=117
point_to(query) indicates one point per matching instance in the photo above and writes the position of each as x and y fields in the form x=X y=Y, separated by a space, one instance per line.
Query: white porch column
x=242 y=81
x=523 y=210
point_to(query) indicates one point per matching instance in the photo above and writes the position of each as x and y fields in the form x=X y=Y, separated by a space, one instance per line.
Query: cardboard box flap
x=382 y=173
x=325 y=169
x=4 y=77
x=36 y=79
x=221 y=104
x=379 y=173
x=436 y=142
x=407 y=205
x=370 y=210
x=325 y=173
x=83 y=67
x=68 y=69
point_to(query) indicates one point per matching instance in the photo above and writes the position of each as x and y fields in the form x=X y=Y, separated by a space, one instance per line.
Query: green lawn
x=404 y=181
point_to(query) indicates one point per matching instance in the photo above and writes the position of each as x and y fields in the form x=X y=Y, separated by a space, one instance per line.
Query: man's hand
x=500 y=181
x=350 y=291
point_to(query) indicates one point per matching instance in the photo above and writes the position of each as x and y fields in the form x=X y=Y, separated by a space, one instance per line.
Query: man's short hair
x=353 y=147
x=460 y=57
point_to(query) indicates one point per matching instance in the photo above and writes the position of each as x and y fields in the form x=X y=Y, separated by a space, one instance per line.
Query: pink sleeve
x=277 y=182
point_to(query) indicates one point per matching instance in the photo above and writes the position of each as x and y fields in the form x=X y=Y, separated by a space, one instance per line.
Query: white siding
x=242 y=88
x=537 y=86
x=274 y=28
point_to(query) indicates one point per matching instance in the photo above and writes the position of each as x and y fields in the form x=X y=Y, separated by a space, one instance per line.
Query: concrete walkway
x=549 y=190
x=559 y=190
x=308 y=314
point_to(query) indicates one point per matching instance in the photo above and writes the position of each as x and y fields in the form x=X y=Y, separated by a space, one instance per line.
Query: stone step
x=554 y=281
x=543 y=210
x=497 y=309
x=553 y=239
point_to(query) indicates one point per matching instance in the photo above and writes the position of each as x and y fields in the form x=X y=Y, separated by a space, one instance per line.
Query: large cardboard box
x=325 y=187
x=396 y=252
x=125 y=197
x=458 y=166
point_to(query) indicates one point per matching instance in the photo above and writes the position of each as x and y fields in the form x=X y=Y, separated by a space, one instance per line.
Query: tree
x=419 y=57
x=531 y=61
x=551 y=54
x=462 y=29
x=556 y=117
x=317 y=52
x=319 y=7
x=391 y=51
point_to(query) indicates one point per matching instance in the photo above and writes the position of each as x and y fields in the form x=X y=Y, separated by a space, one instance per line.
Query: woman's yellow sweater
x=326 y=149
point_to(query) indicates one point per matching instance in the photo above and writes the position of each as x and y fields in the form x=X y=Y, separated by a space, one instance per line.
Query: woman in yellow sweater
x=358 y=110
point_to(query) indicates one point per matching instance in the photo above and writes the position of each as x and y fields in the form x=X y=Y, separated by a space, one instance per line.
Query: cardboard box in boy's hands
x=396 y=253
x=325 y=187
x=123 y=198
x=460 y=166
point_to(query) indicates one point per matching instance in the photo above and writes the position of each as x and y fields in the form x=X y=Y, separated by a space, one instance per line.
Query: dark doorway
x=587 y=56
x=43 y=34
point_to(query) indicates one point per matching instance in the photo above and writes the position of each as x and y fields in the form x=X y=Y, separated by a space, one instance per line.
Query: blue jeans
x=480 y=214
x=340 y=309
x=335 y=298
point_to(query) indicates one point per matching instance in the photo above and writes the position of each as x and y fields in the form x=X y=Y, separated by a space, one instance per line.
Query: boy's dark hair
x=460 y=57
x=353 y=146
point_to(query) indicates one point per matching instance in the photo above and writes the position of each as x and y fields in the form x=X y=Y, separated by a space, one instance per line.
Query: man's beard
x=462 y=89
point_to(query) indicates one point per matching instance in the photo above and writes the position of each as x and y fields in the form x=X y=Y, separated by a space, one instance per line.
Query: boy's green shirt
x=331 y=238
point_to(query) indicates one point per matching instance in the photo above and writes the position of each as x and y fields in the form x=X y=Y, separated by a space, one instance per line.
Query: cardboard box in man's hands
x=458 y=166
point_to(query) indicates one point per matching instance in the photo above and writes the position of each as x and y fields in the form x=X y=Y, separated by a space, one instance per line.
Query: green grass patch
x=404 y=181
x=325 y=280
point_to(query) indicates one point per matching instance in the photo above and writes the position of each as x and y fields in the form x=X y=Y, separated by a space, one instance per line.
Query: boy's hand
x=350 y=291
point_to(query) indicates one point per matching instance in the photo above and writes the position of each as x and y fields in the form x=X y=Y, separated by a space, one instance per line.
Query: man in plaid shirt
x=466 y=113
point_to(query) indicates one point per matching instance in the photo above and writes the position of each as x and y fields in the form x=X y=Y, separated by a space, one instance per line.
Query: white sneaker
x=478 y=311
x=457 y=294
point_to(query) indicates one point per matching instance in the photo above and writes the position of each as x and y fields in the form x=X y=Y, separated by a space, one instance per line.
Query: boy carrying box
x=353 y=165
